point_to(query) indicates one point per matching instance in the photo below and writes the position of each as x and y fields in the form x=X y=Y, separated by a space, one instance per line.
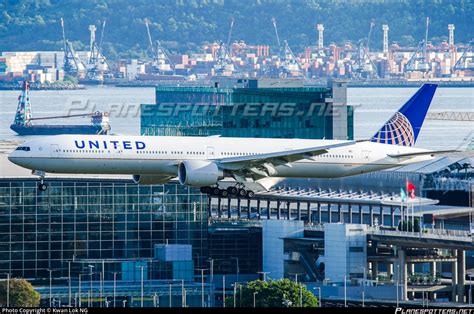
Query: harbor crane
x=289 y=65
x=419 y=60
x=161 y=60
x=466 y=61
x=364 y=67
x=97 y=64
x=72 y=65
x=224 y=61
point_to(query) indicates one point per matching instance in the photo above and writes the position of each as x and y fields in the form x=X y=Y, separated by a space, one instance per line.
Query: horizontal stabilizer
x=430 y=153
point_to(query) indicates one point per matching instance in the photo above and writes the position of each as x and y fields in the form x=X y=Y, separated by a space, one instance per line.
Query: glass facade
x=299 y=112
x=231 y=242
x=93 y=219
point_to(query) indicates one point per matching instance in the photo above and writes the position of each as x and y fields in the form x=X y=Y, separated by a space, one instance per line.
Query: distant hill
x=184 y=25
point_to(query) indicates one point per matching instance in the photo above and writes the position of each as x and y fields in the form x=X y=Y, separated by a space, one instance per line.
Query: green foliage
x=25 y=24
x=274 y=293
x=22 y=293
x=408 y=226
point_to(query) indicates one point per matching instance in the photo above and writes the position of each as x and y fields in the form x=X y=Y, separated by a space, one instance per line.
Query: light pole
x=171 y=298
x=223 y=290
x=254 y=303
x=141 y=284
x=235 y=294
x=50 y=287
x=365 y=283
x=398 y=279
x=202 y=286
x=319 y=294
x=264 y=273
x=8 y=290
x=470 y=289
x=183 y=292
x=69 y=282
x=115 y=286
x=237 y=267
x=90 y=292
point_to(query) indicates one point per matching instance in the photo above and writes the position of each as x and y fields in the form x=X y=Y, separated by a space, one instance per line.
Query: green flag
x=403 y=194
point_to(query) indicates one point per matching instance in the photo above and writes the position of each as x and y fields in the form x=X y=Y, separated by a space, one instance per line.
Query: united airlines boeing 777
x=205 y=161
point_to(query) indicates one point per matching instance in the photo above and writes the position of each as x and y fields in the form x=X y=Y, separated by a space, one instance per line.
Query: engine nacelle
x=150 y=179
x=199 y=173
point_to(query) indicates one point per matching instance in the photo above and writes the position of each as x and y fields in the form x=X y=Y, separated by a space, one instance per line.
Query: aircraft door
x=210 y=152
x=54 y=150
x=365 y=155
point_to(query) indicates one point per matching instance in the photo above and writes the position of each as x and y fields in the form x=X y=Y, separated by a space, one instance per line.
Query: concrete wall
x=273 y=232
x=345 y=251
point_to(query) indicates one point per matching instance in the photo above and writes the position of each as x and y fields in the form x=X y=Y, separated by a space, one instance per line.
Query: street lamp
x=264 y=273
x=345 y=289
x=8 y=290
x=237 y=267
x=50 y=287
x=90 y=293
x=470 y=288
x=202 y=286
x=141 y=285
x=319 y=294
x=254 y=294
x=115 y=287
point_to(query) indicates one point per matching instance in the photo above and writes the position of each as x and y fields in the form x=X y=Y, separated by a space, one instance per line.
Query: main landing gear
x=231 y=190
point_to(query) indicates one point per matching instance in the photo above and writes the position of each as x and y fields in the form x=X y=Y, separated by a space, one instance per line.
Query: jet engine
x=150 y=179
x=199 y=173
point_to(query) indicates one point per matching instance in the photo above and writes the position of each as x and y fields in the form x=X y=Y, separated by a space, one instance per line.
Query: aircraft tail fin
x=405 y=125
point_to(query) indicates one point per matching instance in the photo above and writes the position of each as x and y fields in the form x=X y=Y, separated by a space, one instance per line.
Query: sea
x=373 y=107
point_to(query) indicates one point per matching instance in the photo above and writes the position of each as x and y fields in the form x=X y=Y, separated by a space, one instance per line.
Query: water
x=374 y=106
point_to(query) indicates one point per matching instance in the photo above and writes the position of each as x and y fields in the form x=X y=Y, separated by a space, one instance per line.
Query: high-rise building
x=250 y=111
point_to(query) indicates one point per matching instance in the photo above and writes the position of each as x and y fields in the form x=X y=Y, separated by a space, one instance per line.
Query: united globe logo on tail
x=397 y=131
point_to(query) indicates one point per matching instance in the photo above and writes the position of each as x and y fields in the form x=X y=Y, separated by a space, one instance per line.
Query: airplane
x=205 y=162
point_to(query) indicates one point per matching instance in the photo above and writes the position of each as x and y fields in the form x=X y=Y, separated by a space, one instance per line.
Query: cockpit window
x=25 y=148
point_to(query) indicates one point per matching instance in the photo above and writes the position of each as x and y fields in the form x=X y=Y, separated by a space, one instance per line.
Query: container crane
x=289 y=65
x=161 y=60
x=224 y=61
x=72 y=65
x=419 y=60
x=364 y=67
x=466 y=61
x=97 y=64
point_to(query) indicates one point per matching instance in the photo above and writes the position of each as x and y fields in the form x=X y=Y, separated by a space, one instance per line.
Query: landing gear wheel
x=216 y=191
x=223 y=193
x=250 y=194
x=242 y=193
x=42 y=187
x=232 y=190
x=206 y=190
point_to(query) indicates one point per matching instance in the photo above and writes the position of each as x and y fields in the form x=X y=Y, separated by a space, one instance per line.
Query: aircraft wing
x=262 y=165
x=431 y=153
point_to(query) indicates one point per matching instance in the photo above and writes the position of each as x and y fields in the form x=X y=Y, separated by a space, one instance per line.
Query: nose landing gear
x=41 y=185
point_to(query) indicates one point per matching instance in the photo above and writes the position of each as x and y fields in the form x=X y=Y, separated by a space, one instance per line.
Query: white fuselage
x=148 y=155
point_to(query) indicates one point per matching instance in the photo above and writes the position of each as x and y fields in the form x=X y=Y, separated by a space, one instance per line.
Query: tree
x=22 y=293
x=274 y=293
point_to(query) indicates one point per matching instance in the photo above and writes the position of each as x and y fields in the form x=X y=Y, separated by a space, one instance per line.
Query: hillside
x=184 y=25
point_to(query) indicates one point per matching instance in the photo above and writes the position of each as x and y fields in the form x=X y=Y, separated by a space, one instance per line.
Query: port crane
x=419 y=60
x=72 y=65
x=364 y=67
x=466 y=61
x=97 y=64
x=161 y=60
x=224 y=61
x=288 y=63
